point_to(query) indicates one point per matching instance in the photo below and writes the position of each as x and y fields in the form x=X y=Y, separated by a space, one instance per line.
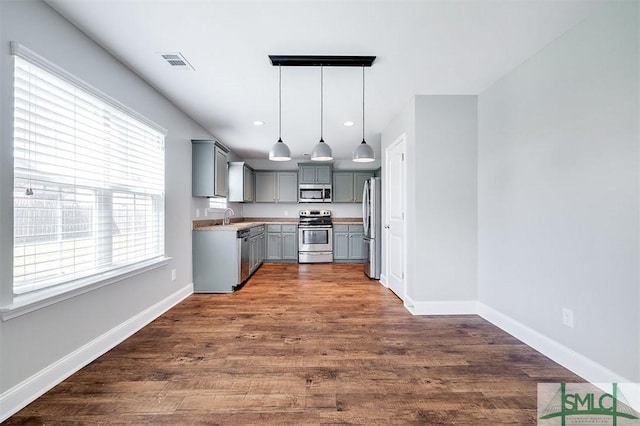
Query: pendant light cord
x=279 y=103
x=321 y=103
x=363 y=103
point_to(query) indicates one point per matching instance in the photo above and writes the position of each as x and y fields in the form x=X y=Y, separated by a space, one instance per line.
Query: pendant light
x=363 y=153
x=279 y=151
x=322 y=151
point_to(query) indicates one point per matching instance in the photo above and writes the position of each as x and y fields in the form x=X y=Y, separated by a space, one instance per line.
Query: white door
x=394 y=223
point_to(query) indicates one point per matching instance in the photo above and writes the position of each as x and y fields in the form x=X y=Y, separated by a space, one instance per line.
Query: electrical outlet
x=197 y=212
x=286 y=212
x=173 y=275
x=567 y=317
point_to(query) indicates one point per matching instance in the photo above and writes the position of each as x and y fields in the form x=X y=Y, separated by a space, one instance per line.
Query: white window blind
x=88 y=183
x=218 y=203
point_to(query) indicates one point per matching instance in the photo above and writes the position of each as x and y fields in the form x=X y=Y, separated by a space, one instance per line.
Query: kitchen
x=507 y=111
x=227 y=251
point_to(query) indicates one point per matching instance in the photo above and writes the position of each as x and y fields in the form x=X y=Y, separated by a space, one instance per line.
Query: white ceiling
x=422 y=47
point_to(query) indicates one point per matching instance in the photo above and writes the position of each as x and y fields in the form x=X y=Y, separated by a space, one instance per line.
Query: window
x=218 y=203
x=88 y=180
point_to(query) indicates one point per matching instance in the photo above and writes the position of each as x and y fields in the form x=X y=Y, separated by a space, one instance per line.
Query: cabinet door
x=323 y=174
x=359 y=179
x=289 y=246
x=253 y=253
x=356 y=246
x=340 y=246
x=265 y=187
x=307 y=174
x=343 y=187
x=221 y=173
x=248 y=184
x=274 y=246
x=261 y=248
x=202 y=164
x=287 y=187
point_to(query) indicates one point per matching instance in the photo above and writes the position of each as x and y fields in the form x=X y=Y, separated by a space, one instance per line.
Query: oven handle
x=315 y=226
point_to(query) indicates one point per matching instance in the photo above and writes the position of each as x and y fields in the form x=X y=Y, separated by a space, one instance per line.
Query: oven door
x=315 y=238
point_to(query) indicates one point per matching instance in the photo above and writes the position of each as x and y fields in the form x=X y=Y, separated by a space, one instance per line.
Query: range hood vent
x=176 y=60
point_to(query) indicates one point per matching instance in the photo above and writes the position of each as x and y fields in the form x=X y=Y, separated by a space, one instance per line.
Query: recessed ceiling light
x=348 y=123
x=258 y=123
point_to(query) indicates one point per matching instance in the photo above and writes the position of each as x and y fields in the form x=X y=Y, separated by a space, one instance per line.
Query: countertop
x=246 y=223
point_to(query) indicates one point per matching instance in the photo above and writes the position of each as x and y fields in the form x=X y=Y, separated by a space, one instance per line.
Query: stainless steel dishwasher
x=244 y=267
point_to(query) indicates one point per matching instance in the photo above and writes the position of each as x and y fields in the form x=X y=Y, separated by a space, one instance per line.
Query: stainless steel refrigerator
x=372 y=221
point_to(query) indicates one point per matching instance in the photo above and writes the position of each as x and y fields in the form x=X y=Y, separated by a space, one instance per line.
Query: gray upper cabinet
x=348 y=185
x=209 y=172
x=287 y=187
x=265 y=187
x=276 y=187
x=240 y=182
x=343 y=187
x=312 y=173
x=358 y=181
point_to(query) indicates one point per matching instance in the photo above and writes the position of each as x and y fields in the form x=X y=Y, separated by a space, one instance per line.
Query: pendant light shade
x=279 y=151
x=363 y=153
x=322 y=151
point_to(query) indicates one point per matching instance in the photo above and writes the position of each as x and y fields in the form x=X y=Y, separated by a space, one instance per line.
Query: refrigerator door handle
x=365 y=207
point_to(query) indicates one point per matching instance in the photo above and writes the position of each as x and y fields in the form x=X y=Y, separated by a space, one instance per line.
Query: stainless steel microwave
x=314 y=193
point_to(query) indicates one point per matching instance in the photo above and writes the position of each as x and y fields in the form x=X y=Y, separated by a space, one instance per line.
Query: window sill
x=24 y=304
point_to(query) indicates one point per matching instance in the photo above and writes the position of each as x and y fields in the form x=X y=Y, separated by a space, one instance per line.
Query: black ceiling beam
x=320 y=60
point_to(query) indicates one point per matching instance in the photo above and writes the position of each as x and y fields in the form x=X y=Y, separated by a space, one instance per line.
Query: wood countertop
x=238 y=224
x=249 y=222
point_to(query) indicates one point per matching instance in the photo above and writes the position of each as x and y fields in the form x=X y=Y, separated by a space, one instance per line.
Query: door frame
x=400 y=140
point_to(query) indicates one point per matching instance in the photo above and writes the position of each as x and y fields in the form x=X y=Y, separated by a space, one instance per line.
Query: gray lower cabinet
x=257 y=247
x=276 y=187
x=348 y=243
x=348 y=185
x=282 y=243
x=216 y=259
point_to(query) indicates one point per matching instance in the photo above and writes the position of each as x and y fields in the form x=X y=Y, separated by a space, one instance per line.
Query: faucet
x=225 y=220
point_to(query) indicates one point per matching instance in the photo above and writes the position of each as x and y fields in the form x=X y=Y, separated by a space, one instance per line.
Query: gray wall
x=441 y=158
x=34 y=341
x=445 y=262
x=558 y=191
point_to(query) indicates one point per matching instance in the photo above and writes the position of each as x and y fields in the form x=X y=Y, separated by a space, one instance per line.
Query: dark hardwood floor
x=304 y=344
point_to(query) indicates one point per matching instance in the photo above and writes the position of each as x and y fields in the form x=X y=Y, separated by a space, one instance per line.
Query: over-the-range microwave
x=314 y=193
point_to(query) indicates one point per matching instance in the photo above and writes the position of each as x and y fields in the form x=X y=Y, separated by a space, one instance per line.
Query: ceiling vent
x=177 y=61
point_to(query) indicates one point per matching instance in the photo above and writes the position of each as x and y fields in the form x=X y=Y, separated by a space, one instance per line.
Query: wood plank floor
x=304 y=344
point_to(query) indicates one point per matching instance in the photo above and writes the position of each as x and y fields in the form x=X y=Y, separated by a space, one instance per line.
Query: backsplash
x=292 y=209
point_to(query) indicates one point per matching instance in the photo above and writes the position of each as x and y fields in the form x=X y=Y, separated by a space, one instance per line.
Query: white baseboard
x=383 y=280
x=19 y=396
x=566 y=357
x=453 y=307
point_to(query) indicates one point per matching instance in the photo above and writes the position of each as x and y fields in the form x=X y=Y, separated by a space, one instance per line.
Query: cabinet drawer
x=274 y=228
x=340 y=228
x=289 y=228
x=356 y=229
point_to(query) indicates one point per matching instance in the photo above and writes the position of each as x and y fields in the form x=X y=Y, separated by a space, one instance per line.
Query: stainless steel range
x=315 y=236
